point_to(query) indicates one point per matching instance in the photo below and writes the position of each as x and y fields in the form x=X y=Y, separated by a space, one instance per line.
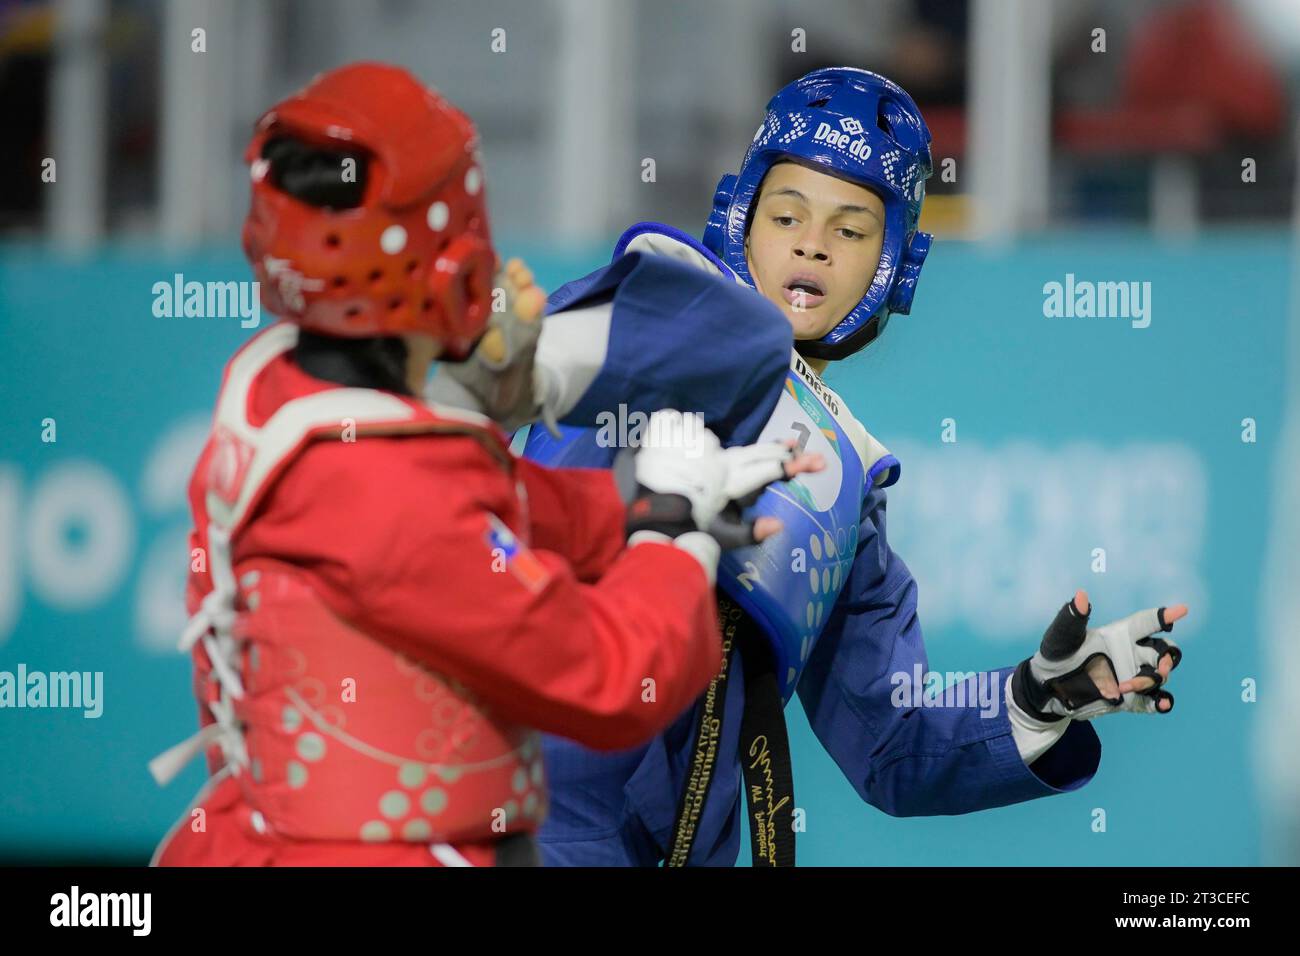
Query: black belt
x=518 y=849
x=764 y=749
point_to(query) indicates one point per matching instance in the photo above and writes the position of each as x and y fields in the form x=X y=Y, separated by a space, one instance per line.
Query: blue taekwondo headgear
x=861 y=127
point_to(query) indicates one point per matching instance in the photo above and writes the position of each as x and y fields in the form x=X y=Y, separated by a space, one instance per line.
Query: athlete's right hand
x=730 y=527
x=682 y=486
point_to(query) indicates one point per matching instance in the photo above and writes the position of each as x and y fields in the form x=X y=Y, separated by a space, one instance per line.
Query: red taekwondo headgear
x=368 y=215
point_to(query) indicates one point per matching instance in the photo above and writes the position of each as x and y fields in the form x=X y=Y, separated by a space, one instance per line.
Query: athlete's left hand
x=1084 y=672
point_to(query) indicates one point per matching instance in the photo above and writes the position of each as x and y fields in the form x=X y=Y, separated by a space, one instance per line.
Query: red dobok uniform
x=388 y=606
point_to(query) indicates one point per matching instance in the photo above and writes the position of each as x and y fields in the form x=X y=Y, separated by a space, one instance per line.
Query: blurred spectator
x=1183 y=90
x=26 y=41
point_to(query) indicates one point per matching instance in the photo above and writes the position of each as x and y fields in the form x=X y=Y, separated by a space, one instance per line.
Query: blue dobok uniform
x=673 y=328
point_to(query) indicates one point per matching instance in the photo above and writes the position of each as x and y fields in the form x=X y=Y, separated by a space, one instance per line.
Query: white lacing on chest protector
x=214 y=625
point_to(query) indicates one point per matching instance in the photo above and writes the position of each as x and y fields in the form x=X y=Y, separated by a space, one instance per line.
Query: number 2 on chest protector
x=822 y=486
x=749 y=576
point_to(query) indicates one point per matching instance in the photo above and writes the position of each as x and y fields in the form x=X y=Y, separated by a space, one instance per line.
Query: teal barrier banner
x=1097 y=413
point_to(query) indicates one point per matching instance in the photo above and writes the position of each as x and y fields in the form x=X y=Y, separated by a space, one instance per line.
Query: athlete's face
x=813 y=245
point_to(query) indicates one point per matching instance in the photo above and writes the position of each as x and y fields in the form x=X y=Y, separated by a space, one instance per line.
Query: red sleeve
x=576 y=512
x=407 y=540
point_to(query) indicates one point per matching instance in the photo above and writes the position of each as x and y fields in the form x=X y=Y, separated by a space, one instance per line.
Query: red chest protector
x=331 y=734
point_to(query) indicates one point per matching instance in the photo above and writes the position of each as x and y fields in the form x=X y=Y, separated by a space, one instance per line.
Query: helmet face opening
x=316 y=175
x=872 y=282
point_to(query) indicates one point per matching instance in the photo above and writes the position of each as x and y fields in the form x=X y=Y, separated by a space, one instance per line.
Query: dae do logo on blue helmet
x=863 y=128
x=848 y=136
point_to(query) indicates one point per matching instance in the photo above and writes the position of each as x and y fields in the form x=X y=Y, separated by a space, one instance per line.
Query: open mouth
x=804 y=291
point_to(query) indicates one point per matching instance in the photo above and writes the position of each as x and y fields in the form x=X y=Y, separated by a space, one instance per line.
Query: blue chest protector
x=790 y=582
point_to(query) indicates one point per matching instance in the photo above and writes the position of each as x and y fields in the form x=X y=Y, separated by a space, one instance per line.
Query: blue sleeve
x=682 y=338
x=911 y=760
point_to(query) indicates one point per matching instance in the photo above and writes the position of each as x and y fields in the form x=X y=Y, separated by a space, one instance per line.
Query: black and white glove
x=685 y=488
x=1079 y=672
